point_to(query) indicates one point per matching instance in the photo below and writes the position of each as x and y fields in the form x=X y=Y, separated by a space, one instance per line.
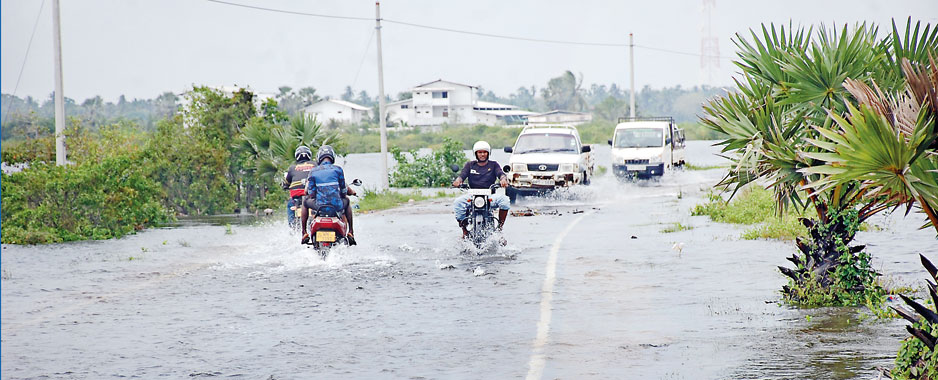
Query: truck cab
x=547 y=158
x=646 y=147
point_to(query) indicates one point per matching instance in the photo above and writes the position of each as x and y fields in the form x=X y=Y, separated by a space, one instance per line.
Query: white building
x=555 y=117
x=338 y=110
x=442 y=102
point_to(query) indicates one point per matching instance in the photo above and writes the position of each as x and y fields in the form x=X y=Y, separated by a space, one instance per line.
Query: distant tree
x=364 y=99
x=348 y=95
x=308 y=94
x=405 y=95
x=564 y=93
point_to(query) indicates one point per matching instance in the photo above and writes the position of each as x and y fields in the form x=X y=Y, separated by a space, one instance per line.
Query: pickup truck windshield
x=546 y=143
x=639 y=138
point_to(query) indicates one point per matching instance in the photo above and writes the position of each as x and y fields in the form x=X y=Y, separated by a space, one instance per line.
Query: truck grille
x=543 y=167
x=636 y=161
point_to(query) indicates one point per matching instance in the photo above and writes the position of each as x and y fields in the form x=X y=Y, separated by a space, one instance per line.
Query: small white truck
x=645 y=147
x=547 y=158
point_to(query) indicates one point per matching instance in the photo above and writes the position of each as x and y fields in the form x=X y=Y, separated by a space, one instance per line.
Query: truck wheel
x=512 y=195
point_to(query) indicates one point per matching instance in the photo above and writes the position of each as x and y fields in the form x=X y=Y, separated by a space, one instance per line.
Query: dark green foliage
x=88 y=200
x=829 y=271
x=917 y=357
x=191 y=168
x=430 y=170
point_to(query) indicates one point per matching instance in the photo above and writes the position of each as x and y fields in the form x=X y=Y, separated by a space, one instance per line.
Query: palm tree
x=270 y=147
x=888 y=144
x=792 y=89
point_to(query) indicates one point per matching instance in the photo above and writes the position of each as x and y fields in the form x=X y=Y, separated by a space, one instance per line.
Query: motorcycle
x=480 y=219
x=326 y=228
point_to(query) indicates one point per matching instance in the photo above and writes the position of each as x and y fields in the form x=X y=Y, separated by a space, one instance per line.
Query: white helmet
x=481 y=145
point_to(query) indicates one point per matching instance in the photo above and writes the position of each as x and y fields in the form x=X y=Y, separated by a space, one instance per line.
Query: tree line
x=30 y=117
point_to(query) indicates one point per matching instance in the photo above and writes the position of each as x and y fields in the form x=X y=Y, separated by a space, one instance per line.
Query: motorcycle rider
x=294 y=180
x=480 y=174
x=325 y=187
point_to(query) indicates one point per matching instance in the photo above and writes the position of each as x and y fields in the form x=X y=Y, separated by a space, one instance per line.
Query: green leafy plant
x=430 y=170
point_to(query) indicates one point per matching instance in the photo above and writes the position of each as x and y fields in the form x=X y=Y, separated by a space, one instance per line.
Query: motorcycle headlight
x=519 y=167
x=479 y=202
x=566 y=167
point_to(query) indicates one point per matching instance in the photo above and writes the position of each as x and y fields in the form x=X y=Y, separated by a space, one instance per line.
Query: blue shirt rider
x=327 y=192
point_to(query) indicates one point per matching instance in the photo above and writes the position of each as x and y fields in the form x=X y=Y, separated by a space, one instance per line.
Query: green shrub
x=431 y=170
x=88 y=200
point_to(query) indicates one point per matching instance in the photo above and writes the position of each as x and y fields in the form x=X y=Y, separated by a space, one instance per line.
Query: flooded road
x=590 y=288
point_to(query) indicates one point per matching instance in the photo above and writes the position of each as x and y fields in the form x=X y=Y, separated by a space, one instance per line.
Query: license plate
x=547 y=182
x=635 y=167
x=328 y=236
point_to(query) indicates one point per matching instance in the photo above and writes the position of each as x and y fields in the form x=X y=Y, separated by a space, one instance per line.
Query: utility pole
x=632 y=75
x=59 y=94
x=381 y=103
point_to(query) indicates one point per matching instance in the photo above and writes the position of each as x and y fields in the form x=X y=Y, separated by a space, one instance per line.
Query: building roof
x=343 y=103
x=561 y=112
x=411 y=100
x=484 y=104
x=513 y=112
x=441 y=80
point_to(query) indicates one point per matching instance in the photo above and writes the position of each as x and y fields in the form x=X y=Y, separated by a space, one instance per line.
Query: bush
x=431 y=170
x=89 y=200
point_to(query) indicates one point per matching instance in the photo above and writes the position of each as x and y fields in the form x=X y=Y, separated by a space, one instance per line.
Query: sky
x=143 y=48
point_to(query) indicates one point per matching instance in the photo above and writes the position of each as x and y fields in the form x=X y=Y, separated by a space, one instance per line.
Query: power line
x=681 y=52
x=506 y=37
x=365 y=54
x=23 y=66
x=290 y=12
x=467 y=32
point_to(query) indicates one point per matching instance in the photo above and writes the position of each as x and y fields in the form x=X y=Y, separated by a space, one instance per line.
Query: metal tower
x=709 y=44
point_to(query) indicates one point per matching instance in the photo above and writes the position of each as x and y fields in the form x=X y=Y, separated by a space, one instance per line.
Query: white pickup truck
x=645 y=147
x=547 y=158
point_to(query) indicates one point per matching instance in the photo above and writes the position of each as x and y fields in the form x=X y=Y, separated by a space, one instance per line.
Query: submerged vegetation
x=834 y=121
x=917 y=357
x=754 y=206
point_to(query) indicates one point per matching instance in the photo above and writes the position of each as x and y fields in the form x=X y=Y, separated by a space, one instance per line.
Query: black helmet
x=303 y=152
x=325 y=151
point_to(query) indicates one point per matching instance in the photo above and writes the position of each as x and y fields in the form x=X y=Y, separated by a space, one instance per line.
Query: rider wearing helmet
x=481 y=174
x=326 y=189
x=294 y=180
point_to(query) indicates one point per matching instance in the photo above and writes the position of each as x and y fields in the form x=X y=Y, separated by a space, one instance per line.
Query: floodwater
x=589 y=288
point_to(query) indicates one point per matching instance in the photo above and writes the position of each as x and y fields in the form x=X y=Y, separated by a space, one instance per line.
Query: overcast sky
x=143 y=48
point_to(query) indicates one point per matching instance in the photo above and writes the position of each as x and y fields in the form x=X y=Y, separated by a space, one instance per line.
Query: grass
x=676 y=227
x=754 y=207
x=373 y=200
x=690 y=166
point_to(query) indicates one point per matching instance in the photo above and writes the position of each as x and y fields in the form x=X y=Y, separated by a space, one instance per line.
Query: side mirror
x=610 y=142
x=454 y=167
x=506 y=168
x=357 y=182
x=508 y=149
x=667 y=141
x=586 y=149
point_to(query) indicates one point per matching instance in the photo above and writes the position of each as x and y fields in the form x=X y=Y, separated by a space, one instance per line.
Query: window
x=404 y=106
x=445 y=112
x=445 y=95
